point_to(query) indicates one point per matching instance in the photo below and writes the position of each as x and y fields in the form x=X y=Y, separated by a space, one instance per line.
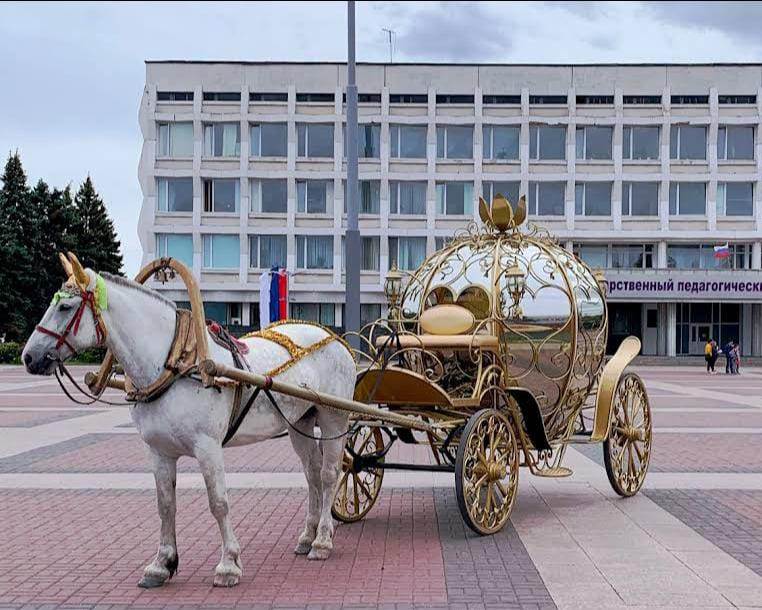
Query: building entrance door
x=699 y=335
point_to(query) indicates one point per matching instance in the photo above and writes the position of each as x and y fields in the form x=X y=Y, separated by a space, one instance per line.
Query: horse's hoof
x=319 y=554
x=303 y=548
x=151 y=582
x=226 y=580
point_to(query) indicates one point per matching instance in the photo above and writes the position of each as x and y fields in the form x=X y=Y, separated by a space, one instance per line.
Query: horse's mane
x=128 y=283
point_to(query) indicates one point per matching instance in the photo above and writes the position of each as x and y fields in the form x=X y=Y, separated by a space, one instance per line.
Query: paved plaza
x=78 y=518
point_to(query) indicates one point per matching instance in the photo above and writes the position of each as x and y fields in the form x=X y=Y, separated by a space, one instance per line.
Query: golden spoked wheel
x=487 y=471
x=627 y=451
x=356 y=492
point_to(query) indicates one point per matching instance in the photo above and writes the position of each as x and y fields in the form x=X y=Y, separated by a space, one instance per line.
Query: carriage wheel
x=487 y=471
x=356 y=492
x=627 y=450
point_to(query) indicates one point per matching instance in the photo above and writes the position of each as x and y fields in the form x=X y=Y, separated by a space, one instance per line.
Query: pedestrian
x=728 y=351
x=708 y=356
x=737 y=358
x=715 y=354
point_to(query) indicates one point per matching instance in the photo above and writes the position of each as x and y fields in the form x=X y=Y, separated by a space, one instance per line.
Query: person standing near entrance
x=708 y=356
x=715 y=354
x=728 y=351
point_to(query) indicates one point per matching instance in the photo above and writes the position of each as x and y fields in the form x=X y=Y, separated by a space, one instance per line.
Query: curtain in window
x=319 y=252
x=230 y=140
x=272 y=251
x=411 y=252
x=370 y=196
x=371 y=253
x=181 y=248
x=181 y=140
x=221 y=251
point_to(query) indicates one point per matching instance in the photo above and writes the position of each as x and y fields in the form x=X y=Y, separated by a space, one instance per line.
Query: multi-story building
x=641 y=169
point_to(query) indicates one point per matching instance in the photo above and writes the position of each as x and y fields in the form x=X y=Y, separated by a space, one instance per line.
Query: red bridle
x=88 y=300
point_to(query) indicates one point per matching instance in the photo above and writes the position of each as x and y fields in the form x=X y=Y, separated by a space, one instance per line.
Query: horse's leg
x=209 y=455
x=164 y=565
x=331 y=425
x=309 y=453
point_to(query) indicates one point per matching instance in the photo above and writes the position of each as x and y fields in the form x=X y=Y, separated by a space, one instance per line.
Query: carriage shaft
x=218 y=369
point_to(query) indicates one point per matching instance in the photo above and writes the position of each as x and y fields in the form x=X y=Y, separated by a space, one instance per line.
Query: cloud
x=734 y=19
x=455 y=31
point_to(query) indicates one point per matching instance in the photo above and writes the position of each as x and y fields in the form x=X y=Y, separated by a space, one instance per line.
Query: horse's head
x=71 y=324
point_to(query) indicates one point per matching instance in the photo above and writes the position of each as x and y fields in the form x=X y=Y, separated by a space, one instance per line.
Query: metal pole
x=353 y=243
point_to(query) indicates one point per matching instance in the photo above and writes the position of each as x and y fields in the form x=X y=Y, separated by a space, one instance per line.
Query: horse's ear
x=83 y=280
x=65 y=264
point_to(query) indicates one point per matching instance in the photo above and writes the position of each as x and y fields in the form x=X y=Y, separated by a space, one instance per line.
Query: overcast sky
x=71 y=74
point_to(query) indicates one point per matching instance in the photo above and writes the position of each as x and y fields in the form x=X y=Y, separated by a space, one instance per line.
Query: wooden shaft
x=216 y=369
x=117 y=384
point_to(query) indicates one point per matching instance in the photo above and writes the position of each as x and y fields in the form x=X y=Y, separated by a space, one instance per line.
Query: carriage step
x=556 y=472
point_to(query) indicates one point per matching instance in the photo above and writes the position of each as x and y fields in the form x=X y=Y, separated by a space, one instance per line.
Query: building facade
x=646 y=171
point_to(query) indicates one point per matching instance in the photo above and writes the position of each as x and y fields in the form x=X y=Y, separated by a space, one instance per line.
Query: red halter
x=88 y=300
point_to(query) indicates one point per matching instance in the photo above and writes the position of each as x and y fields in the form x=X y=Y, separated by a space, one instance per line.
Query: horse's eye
x=64 y=306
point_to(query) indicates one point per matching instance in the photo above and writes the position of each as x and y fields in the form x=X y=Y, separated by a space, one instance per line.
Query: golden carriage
x=497 y=341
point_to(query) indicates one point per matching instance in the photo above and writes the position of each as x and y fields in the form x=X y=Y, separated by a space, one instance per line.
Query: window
x=314 y=252
x=407 y=198
x=176 y=246
x=314 y=139
x=595 y=256
x=509 y=190
x=455 y=99
x=640 y=199
x=369 y=312
x=441 y=241
x=640 y=142
x=219 y=311
x=174 y=194
x=593 y=142
x=690 y=99
x=315 y=97
x=455 y=198
x=547 y=198
x=687 y=198
x=269 y=195
x=221 y=252
x=267 y=97
x=547 y=99
x=635 y=256
x=369 y=192
x=222 y=140
x=501 y=99
x=408 y=141
x=370 y=257
x=547 y=142
x=703 y=256
x=455 y=142
x=174 y=96
x=267 y=251
x=408 y=98
x=368 y=141
x=176 y=139
x=595 y=100
x=407 y=253
x=364 y=98
x=641 y=99
x=737 y=99
x=314 y=196
x=687 y=142
x=735 y=142
x=221 y=195
x=500 y=142
x=735 y=199
x=592 y=199
x=222 y=96
x=322 y=313
x=269 y=140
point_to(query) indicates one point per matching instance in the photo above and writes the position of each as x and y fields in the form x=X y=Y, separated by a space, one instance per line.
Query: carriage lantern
x=393 y=287
x=515 y=285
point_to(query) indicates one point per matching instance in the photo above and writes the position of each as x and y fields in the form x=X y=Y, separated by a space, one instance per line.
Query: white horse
x=191 y=420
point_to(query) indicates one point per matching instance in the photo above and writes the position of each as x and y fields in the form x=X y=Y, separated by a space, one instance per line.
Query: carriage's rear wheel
x=627 y=451
x=357 y=491
x=487 y=471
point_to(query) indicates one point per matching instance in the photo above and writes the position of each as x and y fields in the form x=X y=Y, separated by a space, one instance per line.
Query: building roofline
x=464 y=65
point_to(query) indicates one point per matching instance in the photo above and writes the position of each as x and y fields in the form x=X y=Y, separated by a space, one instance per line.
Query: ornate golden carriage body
x=501 y=333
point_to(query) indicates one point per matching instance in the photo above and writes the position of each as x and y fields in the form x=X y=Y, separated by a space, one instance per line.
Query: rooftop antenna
x=391 y=33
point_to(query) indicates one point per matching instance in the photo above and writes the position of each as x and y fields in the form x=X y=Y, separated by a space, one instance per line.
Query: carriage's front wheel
x=627 y=451
x=487 y=471
x=357 y=490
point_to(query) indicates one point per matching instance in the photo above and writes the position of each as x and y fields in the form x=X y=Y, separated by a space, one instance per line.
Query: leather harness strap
x=88 y=300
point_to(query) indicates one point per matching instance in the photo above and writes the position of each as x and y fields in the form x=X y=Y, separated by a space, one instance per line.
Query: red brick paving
x=668 y=419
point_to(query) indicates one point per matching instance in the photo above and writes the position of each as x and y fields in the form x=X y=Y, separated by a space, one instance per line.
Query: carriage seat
x=446 y=326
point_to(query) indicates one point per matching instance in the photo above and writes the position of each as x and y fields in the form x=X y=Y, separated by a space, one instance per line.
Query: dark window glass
x=690 y=99
x=738 y=99
x=262 y=96
x=222 y=96
x=547 y=99
x=455 y=99
x=595 y=99
x=642 y=99
x=501 y=99
x=174 y=96
x=408 y=98
x=314 y=97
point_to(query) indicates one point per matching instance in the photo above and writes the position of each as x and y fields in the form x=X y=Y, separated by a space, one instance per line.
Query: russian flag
x=273 y=296
x=722 y=251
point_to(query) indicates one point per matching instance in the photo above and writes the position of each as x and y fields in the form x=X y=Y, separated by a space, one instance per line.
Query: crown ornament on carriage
x=500 y=215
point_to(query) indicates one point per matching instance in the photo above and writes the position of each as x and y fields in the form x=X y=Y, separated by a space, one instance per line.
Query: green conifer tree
x=95 y=241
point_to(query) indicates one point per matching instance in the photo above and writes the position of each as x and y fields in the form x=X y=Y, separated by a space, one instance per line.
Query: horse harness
x=72 y=328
